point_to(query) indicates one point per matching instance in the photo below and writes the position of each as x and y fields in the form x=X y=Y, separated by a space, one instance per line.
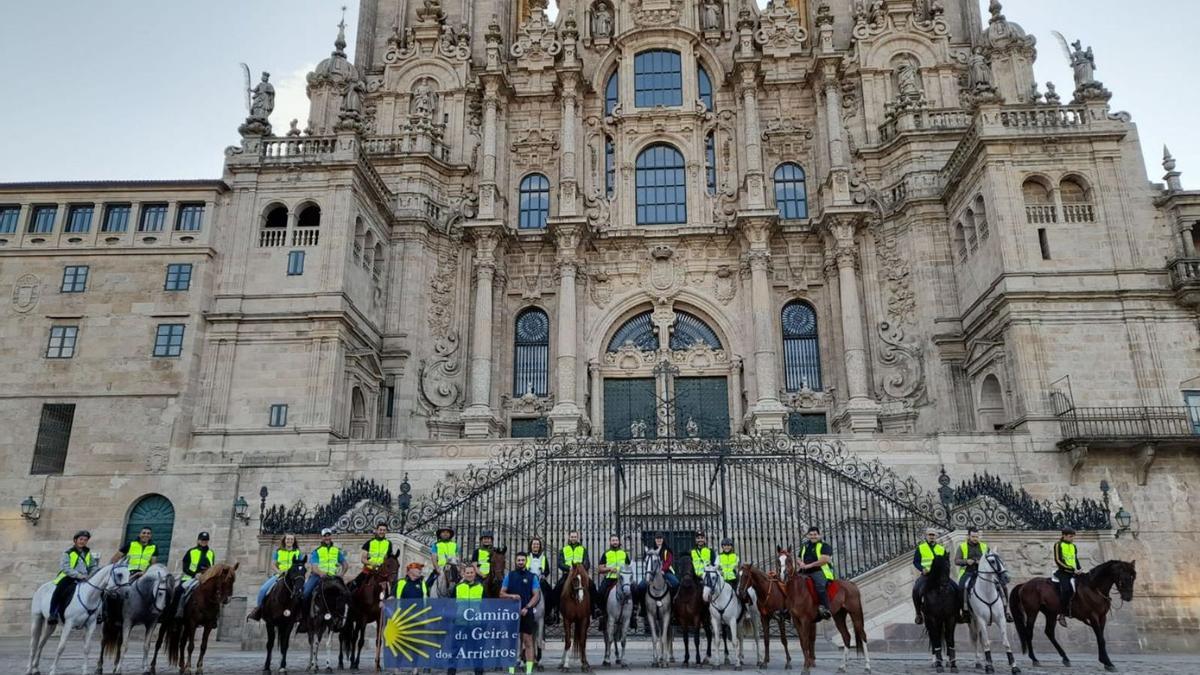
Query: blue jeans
x=310 y=585
x=266 y=588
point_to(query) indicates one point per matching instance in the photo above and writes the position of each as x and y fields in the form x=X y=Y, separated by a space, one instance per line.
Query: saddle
x=831 y=590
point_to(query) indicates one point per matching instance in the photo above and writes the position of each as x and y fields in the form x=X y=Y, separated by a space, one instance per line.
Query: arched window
x=610 y=168
x=358 y=414
x=704 y=85
x=991 y=412
x=960 y=242
x=1039 y=202
x=277 y=216
x=710 y=162
x=157 y=513
x=801 y=352
x=360 y=236
x=981 y=222
x=1076 y=201
x=661 y=186
x=969 y=226
x=531 y=353
x=611 y=95
x=688 y=330
x=638 y=331
x=657 y=79
x=791 y=195
x=534 y=202
x=310 y=216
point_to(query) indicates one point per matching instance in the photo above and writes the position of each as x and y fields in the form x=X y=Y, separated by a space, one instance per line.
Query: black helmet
x=82 y=533
x=660 y=535
x=487 y=534
x=1068 y=530
x=203 y=536
x=700 y=533
x=727 y=542
x=444 y=528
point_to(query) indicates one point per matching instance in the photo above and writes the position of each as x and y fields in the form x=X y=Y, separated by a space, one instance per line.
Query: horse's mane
x=215 y=571
x=1093 y=575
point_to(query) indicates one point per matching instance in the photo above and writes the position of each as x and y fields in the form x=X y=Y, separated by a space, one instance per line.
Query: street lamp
x=239 y=510
x=1124 y=521
x=30 y=510
x=404 y=502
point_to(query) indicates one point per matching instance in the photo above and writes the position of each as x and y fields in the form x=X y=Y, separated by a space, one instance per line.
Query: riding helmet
x=445 y=529
x=727 y=542
x=487 y=534
x=82 y=533
x=203 y=536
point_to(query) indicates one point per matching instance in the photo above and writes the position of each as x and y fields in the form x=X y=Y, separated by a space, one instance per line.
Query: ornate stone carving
x=602 y=20
x=527 y=404
x=601 y=289
x=494 y=40
x=906 y=363
x=438 y=376
x=711 y=16
x=981 y=87
x=897 y=278
x=441 y=298
x=700 y=356
x=786 y=137
x=534 y=149
x=1083 y=66
x=537 y=41
x=779 y=33
x=262 y=104
x=724 y=284
x=156 y=460
x=26 y=292
x=656 y=12
x=664 y=276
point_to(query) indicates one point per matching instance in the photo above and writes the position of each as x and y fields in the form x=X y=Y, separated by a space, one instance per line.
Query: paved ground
x=226 y=659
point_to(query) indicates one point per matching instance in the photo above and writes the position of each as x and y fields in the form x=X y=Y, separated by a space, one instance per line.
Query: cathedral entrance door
x=629 y=408
x=702 y=407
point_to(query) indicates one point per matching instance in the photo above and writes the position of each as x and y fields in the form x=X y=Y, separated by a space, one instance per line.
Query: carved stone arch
x=274 y=214
x=880 y=55
x=448 y=78
x=609 y=63
x=707 y=57
x=991 y=405
x=680 y=143
x=637 y=301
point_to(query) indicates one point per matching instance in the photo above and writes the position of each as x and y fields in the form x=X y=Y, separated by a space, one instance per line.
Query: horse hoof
x=1110 y=668
x=939 y=668
x=1016 y=671
x=1066 y=662
x=989 y=669
x=954 y=669
x=1036 y=663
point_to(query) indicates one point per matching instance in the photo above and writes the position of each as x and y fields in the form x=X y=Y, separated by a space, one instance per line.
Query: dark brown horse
x=365 y=605
x=575 y=606
x=1090 y=604
x=691 y=612
x=940 y=609
x=202 y=610
x=281 y=610
x=771 y=600
x=495 y=576
x=844 y=600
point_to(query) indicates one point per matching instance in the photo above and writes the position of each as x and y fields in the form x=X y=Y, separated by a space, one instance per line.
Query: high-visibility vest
x=701 y=558
x=194 y=562
x=445 y=550
x=983 y=549
x=574 y=555
x=74 y=560
x=465 y=591
x=826 y=569
x=537 y=564
x=139 y=556
x=728 y=562
x=286 y=557
x=928 y=553
x=327 y=559
x=1067 y=551
x=485 y=561
x=377 y=551
x=615 y=559
x=424 y=587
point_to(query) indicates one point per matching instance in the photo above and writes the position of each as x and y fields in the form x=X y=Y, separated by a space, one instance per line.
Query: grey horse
x=141 y=603
x=658 y=611
x=619 y=604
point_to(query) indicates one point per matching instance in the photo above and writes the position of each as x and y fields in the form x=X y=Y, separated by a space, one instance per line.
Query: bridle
x=101 y=589
x=719 y=582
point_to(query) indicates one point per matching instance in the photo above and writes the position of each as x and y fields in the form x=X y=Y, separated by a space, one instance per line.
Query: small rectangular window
x=278 y=415
x=41 y=219
x=1044 y=243
x=79 y=219
x=62 y=342
x=190 y=217
x=179 y=277
x=169 y=339
x=391 y=401
x=54 y=436
x=75 y=279
x=154 y=217
x=295 y=264
x=116 y=218
x=1192 y=400
x=9 y=213
x=528 y=427
x=807 y=424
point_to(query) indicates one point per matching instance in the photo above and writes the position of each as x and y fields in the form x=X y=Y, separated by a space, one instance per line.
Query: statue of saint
x=710 y=16
x=1084 y=65
x=423 y=102
x=908 y=80
x=262 y=103
x=352 y=101
x=602 y=20
x=979 y=71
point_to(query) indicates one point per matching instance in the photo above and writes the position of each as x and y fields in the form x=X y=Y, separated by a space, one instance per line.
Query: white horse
x=987 y=603
x=751 y=623
x=142 y=602
x=539 y=622
x=619 y=605
x=448 y=578
x=81 y=612
x=723 y=610
x=658 y=610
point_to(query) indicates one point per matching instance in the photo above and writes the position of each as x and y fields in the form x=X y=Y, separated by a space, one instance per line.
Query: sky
x=146 y=89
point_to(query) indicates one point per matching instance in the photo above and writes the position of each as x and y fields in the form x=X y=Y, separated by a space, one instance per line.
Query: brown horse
x=575 y=606
x=202 y=610
x=844 y=600
x=280 y=611
x=691 y=611
x=365 y=605
x=1090 y=604
x=771 y=600
x=495 y=576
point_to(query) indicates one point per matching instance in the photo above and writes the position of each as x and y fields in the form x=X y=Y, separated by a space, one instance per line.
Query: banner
x=444 y=633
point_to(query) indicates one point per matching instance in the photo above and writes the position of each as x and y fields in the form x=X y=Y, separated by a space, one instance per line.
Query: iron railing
x=1129 y=422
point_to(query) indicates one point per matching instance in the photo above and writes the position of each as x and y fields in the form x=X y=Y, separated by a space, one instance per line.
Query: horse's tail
x=1024 y=630
x=112 y=631
x=175 y=641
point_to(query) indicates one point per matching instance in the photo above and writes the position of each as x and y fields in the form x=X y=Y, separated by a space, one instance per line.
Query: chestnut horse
x=203 y=609
x=365 y=605
x=772 y=604
x=575 y=605
x=495 y=576
x=691 y=611
x=1090 y=604
x=844 y=600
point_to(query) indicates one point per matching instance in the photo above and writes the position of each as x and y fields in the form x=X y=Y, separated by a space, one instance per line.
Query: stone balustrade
x=1041 y=213
x=1079 y=213
x=941 y=119
x=1043 y=116
x=272 y=238
x=306 y=236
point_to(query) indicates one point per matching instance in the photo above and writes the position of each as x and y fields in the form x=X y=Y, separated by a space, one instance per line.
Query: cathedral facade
x=862 y=221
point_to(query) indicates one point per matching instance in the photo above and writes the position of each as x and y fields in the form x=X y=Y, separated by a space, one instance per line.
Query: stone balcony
x=339 y=148
x=942 y=119
x=1185 y=280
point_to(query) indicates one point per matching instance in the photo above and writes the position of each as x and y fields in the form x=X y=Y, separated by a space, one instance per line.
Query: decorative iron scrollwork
x=338 y=514
x=988 y=502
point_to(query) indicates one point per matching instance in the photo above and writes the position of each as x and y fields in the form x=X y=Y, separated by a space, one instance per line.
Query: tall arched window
x=534 y=202
x=611 y=95
x=657 y=79
x=157 y=513
x=610 y=166
x=791 y=194
x=704 y=85
x=801 y=352
x=531 y=353
x=710 y=162
x=687 y=331
x=661 y=186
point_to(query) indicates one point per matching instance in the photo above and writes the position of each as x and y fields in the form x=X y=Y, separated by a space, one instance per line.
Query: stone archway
x=990 y=411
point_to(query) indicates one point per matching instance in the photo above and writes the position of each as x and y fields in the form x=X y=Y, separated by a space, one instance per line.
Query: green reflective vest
x=485 y=561
x=445 y=550
x=826 y=569
x=573 y=555
x=424 y=587
x=377 y=551
x=194 y=563
x=74 y=556
x=701 y=558
x=1067 y=552
x=139 y=556
x=327 y=559
x=728 y=562
x=928 y=553
x=983 y=549
x=286 y=557
x=465 y=591
x=615 y=559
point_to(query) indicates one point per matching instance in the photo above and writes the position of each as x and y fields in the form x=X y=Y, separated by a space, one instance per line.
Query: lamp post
x=239 y=510
x=404 y=502
x=1124 y=522
x=30 y=510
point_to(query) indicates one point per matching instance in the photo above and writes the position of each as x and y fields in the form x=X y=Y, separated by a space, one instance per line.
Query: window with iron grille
x=54 y=436
x=534 y=202
x=168 y=341
x=801 y=353
x=295 y=264
x=75 y=279
x=661 y=186
x=116 y=218
x=190 y=218
x=791 y=195
x=278 y=417
x=79 y=218
x=807 y=424
x=62 y=342
x=528 y=427
x=704 y=84
x=657 y=79
x=154 y=218
x=41 y=220
x=531 y=353
x=9 y=214
x=179 y=277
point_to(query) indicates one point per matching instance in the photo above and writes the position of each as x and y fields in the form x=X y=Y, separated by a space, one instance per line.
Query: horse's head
x=1126 y=574
x=118 y=577
x=625 y=577
x=293 y=580
x=712 y=578
x=579 y=581
x=745 y=580
x=786 y=564
x=161 y=583
x=652 y=563
x=223 y=577
x=940 y=569
x=389 y=569
x=995 y=565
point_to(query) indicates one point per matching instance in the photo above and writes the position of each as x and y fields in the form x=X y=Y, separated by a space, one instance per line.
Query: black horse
x=940 y=609
x=282 y=609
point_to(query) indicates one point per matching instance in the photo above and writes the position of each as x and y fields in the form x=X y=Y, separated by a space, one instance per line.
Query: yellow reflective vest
x=701 y=558
x=445 y=550
x=573 y=555
x=484 y=558
x=74 y=560
x=928 y=553
x=139 y=556
x=1066 y=552
x=193 y=563
x=286 y=557
x=983 y=549
x=826 y=569
x=377 y=551
x=465 y=591
x=615 y=559
x=728 y=562
x=327 y=559
x=424 y=587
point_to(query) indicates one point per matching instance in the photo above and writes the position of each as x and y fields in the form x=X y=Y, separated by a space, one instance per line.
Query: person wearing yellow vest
x=1066 y=562
x=966 y=558
x=286 y=556
x=326 y=560
x=816 y=560
x=728 y=561
x=469 y=589
x=702 y=555
x=375 y=551
x=444 y=550
x=76 y=564
x=923 y=561
x=482 y=557
x=610 y=566
x=195 y=561
x=571 y=554
x=141 y=553
x=411 y=586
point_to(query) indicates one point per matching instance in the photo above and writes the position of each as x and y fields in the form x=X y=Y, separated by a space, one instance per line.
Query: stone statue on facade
x=262 y=101
x=693 y=429
x=979 y=73
x=352 y=99
x=710 y=15
x=1083 y=63
x=424 y=102
x=908 y=81
x=602 y=20
x=294 y=129
x=637 y=429
x=1052 y=96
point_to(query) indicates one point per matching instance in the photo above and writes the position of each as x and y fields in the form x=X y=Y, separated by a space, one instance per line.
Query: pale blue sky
x=152 y=88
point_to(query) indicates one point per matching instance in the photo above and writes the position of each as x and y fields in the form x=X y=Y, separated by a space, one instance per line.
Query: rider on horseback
x=728 y=561
x=572 y=553
x=923 y=561
x=522 y=585
x=966 y=558
x=702 y=555
x=287 y=555
x=195 y=561
x=1066 y=560
x=815 y=561
x=614 y=559
x=141 y=553
x=538 y=563
x=75 y=565
x=374 y=552
x=482 y=556
x=443 y=551
x=325 y=560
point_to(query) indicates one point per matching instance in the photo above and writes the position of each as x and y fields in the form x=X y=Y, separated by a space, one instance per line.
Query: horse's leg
x=87 y=645
x=1012 y=662
x=1051 y=622
x=37 y=626
x=270 y=644
x=162 y=634
x=581 y=629
x=839 y=621
x=146 y=647
x=62 y=645
x=1098 y=629
x=203 y=648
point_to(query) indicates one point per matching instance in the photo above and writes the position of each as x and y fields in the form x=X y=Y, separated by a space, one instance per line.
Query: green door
x=628 y=401
x=157 y=513
x=703 y=401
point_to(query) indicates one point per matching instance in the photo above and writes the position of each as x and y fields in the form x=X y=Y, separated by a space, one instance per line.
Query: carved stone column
x=838 y=187
x=565 y=417
x=568 y=185
x=735 y=385
x=861 y=413
x=768 y=413
x=487 y=174
x=596 y=388
x=479 y=419
x=748 y=91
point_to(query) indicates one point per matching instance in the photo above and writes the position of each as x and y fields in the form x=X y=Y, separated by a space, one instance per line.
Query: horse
x=495 y=576
x=844 y=600
x=575 y=605
x=328 y=608
x=539 y=621
x=770 y=602
x=986 y=602
x=448 y=577
x=140 y=604
x=1090 y=604
x=692 y=613
x=619 y=608
x=940 y=609
x=80 y=612
x=724 y=610
x=202 y=610
x=281 y=609
x=365 y=605
x=658 y=610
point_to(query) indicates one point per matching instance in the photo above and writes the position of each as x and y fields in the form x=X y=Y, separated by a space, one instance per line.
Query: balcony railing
x=1079 y=213
x=1041 y=213
x=1130 y=423
x=1043 y=116
x=925 y=120
x=1185 y=271
x=270 y=238
x=306 y=236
